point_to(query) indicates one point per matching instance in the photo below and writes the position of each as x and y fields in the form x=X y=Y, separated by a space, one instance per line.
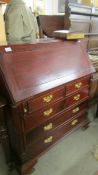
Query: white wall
x=51 y=7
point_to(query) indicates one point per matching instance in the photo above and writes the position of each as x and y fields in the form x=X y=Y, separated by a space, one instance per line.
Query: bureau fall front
x=46 y=89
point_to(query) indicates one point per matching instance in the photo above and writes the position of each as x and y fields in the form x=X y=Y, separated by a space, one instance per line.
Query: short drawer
x=38 y=117
x=37 y=146
x=78 y=97
x=77 y=85
x=46 y=99
x=57 y=120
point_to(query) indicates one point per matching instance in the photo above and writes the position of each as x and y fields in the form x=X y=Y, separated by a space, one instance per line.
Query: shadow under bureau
x=46 y=87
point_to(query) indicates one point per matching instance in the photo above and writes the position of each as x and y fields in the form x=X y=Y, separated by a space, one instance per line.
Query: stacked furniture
x=93 y=55
x=46 y=87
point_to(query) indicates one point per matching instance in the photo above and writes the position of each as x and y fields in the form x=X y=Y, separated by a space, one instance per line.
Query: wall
x=2 y=28
x=51 y=7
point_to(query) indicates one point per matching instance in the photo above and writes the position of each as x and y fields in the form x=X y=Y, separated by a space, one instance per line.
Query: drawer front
x=53 y=122
x=77 y=85
x=46 y=99
x=58 y=120
x=40 y=116
x=78 y=97
x=38 y=146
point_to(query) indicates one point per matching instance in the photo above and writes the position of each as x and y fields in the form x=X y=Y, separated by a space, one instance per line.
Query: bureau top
x=39 y=67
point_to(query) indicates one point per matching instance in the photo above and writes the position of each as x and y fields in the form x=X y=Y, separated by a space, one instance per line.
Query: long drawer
x=38 y=146
x=36 y=118
x=32 y=122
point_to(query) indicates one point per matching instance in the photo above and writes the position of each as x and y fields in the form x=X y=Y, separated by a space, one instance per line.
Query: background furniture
x=48 y=24
x=77 y=17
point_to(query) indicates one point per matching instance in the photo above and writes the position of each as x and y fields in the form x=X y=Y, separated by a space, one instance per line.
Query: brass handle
x=78 y=85
x=48 y=140
x=74 y=122
x=77 y=97
x=48 y=112
x=47 y=99
x=75 y=110
x=48 y=127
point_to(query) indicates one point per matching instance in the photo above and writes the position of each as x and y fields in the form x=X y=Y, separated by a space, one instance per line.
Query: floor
x=73 y=155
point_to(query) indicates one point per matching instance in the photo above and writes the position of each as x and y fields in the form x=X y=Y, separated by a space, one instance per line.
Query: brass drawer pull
x=47 y=99
x=78 y=85
x=74 y=122
x=77 y=97
x=75 y=110
x=48 y=127
x=48 y=112
x=48 y=140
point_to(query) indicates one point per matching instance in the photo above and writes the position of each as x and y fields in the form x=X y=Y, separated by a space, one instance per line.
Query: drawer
x=38 y=146
x=77 y=85
x=56 y=121
x=78 y=97
x=46 y=99
x=38 y=117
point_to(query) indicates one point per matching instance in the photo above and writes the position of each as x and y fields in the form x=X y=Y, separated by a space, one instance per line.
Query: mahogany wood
x=42 y=68
x=56 y=121
x=78 y=84
x=38 y=102
x=46 y=86
x=40 y=146
x=77 y=97
x=4 y=131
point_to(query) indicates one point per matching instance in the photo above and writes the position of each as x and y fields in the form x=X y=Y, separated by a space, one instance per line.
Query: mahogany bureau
x=46 y=87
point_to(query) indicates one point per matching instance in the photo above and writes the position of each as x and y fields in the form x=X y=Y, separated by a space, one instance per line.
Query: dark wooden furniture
x=49 y=23
x=93 y=54
x=76 y=17
x=47 y=96
x=86 y=19
x=4 y=139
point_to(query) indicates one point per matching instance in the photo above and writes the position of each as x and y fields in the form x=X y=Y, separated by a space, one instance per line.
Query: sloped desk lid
x=45 y=66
